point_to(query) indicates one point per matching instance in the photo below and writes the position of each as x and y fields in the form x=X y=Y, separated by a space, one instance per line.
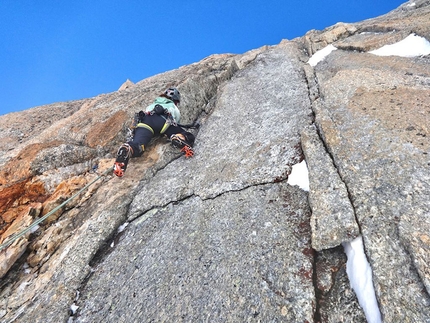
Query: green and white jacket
x=167 y=104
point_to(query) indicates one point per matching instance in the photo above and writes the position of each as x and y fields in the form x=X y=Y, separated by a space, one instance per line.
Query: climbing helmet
x=173 y=94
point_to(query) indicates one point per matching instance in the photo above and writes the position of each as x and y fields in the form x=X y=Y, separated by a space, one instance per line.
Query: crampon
x=186 y=149
x=122 y=158
x=119 y=169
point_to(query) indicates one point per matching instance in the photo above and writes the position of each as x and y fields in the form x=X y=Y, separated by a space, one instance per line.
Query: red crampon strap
x=188 y=151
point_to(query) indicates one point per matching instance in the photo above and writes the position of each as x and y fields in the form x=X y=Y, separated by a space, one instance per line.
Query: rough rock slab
x=252 y=137
x=337 y=300
x=369 y=109
x=46 y=295
x=333 y=219
x=224 y=163
x=56 y=277
x=239 y=257
x=372 y=114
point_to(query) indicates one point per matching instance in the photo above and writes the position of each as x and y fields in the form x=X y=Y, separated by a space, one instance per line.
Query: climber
x=160 y=118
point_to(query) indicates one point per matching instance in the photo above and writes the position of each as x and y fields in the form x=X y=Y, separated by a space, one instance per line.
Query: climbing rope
x=11 y=239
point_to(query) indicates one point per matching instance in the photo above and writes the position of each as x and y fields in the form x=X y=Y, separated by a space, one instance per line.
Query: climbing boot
x=180 y=142
x=122 y=157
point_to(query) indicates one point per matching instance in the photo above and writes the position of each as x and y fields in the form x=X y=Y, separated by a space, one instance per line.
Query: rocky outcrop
x=381 y=163
x=127 y=84
x=223 y=237
x=333 y=219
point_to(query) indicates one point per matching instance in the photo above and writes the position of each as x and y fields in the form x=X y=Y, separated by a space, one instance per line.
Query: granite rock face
x=224 y=259
x=222 y=236
x=333 y=218
x=377 y=134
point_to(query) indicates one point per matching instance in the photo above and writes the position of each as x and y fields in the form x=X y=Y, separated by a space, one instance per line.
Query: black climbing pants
x=152 y=126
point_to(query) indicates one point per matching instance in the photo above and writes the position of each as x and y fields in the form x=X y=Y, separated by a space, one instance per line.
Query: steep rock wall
x=222 y=236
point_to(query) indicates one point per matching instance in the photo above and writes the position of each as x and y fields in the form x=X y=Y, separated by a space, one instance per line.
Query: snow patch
x=299 y=176
x=73 y=309
x=320 y=55
x=361 y=280
x=411 y=46
x=122 y=227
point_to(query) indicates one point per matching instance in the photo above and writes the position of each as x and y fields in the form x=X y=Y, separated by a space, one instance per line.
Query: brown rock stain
x=15 y=197
x=19 y=168
x=18 y=247
x=63 y=192
x=30 y=211
x=306 y=274
x=103 y=133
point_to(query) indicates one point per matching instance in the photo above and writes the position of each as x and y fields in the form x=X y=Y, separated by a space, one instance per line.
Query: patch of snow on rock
x=320 y=55
x=361 y=280
x=299 y=176
x=411 y=46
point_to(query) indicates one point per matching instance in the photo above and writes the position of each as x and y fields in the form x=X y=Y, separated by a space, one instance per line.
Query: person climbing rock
x=160 y=118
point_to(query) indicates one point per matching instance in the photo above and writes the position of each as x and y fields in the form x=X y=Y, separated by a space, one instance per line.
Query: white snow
x=73 y=308
x=299 y=176
x=411 y=46
x=122 y=227
x=23 y=285
x=360 y=278
x=320 y=55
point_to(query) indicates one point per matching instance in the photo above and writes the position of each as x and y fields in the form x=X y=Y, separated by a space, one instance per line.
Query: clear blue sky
x=53 y=51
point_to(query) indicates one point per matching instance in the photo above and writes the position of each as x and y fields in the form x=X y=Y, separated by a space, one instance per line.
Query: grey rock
x=261 y=131
x=362 y=120
x=61 y=156
x=333 y=219
x=234 y=258
x=336 y=301
x=222 y=236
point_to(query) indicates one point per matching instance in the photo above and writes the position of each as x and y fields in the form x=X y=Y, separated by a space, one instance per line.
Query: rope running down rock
x=11 y=239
